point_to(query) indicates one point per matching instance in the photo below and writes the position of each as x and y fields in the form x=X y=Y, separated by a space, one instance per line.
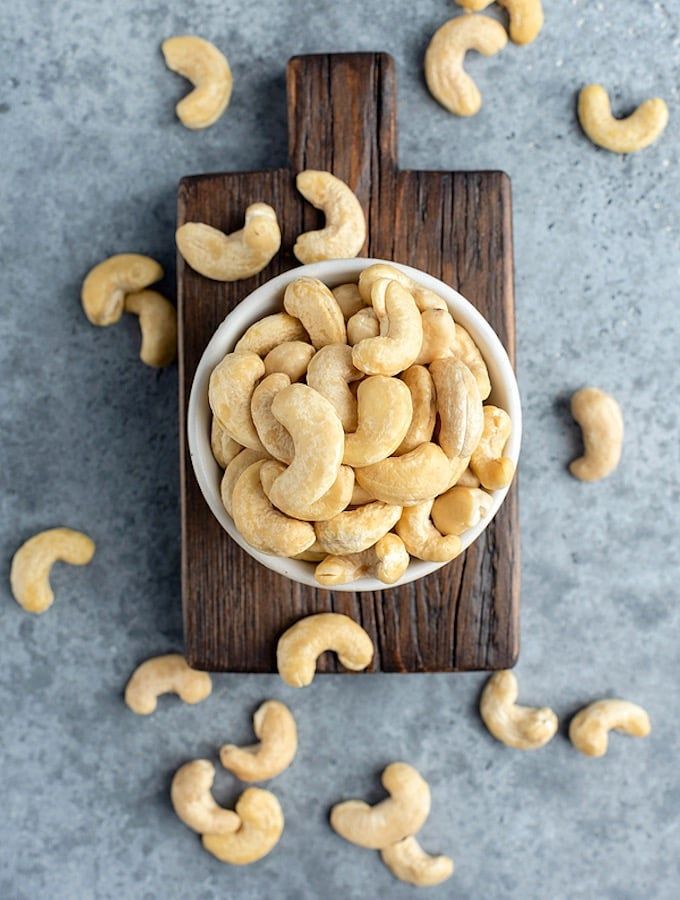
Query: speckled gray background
x=90 y=157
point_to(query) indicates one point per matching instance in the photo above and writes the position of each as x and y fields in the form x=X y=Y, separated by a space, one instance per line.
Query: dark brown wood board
x=454 y=225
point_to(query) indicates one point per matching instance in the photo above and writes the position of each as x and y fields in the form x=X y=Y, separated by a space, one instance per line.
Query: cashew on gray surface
x=275 y=727
x=521 y=727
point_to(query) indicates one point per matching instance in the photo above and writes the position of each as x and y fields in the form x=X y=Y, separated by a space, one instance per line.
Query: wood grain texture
x=457 y=226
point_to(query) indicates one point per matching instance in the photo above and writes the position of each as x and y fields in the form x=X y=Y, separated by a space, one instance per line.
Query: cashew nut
x=330 y=504
x=421 y=538
x=521 y=727
x=601 y=421
x=158 y=324
x=291 y=358
x=224 y=448
x=459 y=406
x=169 y=674
x=467 y=479
x=357 y=529
x=637 y=131
x=274 y=725
x=360 y=496
x=526 y=16
x=384 y=412
x=408 y=862
x=319 y=443
x=418 y=475
x=301 y=645
x=330 y=373
x=424 y=402
x=315 y=306
x=266 y=334
x=401 y=334
x=105 y=286
x=192 y=800
x=348 y=299
x=31 y=564
x=345 y=230
x=459 y=509
x=590 y=727
x=233 y=472
x=448 y=82
x=424 y=297
x=235 y=256
x=459 y=465
x=387 y=561
x=261 y=524
x=363 y=324
x=465 y=350
x=391 y=820
x=439 y=335
x=311 y=555
x=230 y=392
x=208 y=70
x=260 y=830
x=493 y=470
x=275 y=439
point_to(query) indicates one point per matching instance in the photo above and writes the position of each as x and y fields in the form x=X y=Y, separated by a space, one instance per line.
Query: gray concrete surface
x=91 y=154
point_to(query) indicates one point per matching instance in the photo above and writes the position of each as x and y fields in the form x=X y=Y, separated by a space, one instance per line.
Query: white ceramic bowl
x=268 y=299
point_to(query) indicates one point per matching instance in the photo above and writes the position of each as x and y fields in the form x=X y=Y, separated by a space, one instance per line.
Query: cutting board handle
x=358 y=140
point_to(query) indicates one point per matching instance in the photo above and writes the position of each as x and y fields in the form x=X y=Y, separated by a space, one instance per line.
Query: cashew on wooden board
x=353 y=413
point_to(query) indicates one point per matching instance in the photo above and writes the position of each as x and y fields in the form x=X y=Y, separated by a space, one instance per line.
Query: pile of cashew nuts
x=352 y=429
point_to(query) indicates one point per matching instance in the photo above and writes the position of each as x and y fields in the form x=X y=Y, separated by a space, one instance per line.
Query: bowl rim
x=335 y=272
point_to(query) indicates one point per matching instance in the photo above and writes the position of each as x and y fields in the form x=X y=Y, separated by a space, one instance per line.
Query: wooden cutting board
x=454 y=225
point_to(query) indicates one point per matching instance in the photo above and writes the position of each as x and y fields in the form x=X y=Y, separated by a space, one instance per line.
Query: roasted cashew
x=401 y=333
x=208 y=70
x=192 y=800
x=291 y=358
x=169 y=674
x=105 y=286
x=493 y=470
x=418 y=475
x=266 y=334
x=158 y=324
x=601 y=421
x=301 y=645
x=521 y=727
x=261 y=524
x=421 y=538
x=590 y=727
x=384 y=412
x=233 y=472
x=526 y=16
x=315 y=306
x=391 y=820
x=424 y=402
x=319 y=443
x=274 y=437
x=31 y=564
x=424 y=297
x=459 y=509
x=465 y=350
x=330 y=504
x=345 y=230
x=387 y=561
x=230 y=392
x=274 y=725
x=330 y=372
x=224 y=448
x=448 y=82
x=260 y=830
x=459 y=406
x=357 y=529
x=348 y=299
x=362 y=325
x=408 y=862
x=439 y=335
x=637 y=131
x=235 y=256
